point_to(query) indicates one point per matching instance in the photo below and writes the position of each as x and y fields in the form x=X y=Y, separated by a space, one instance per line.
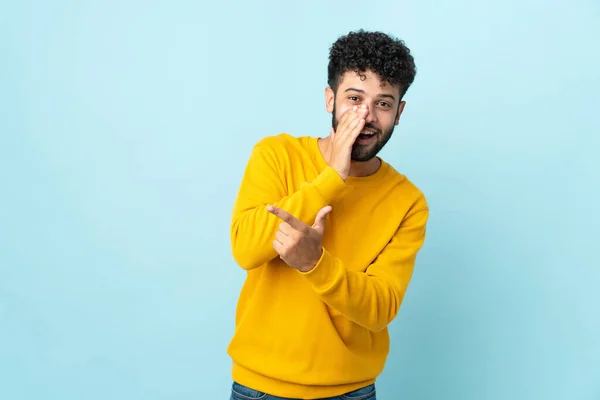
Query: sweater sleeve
x=253 y=228
x=372 y=298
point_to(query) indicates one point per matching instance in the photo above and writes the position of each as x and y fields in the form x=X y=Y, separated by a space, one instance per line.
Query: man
x=328 y=233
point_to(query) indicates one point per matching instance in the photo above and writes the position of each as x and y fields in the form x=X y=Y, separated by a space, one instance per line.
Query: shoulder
x=408 y=191
x=279 y=141
x=281 y=147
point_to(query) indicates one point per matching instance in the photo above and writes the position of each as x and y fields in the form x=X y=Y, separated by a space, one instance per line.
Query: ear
x=329 y=99
x=400 y=109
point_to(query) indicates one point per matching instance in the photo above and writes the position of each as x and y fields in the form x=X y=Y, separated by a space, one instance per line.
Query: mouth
x=366 y=137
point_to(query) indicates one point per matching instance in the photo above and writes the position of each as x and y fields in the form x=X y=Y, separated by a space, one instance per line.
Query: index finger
x=346 y=118
x=350 y=119
x=287 y=217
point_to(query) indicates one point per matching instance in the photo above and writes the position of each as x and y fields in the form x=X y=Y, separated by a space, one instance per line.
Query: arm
x=253 y=227
x=372 y=298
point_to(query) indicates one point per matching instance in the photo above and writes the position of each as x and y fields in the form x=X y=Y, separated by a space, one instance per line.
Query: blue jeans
x=241 y=392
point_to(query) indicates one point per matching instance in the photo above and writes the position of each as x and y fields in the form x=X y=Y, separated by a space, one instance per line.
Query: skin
x=379 y=108
x=362 y=102
x=299 y=245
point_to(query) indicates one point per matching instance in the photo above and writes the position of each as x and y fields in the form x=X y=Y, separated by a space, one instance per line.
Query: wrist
x=309 y=267
x=340 y=172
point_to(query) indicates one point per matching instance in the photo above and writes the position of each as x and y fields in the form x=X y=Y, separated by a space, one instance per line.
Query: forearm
x=253 y=228
x=372 y=298
x=369 y=301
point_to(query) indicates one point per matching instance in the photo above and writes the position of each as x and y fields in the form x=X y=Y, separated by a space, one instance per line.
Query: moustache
x=371 y=127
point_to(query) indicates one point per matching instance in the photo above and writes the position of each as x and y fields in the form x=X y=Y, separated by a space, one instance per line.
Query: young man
x=328 y=233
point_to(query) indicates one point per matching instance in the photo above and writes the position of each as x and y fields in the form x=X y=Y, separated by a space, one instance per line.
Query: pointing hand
x=299 y=245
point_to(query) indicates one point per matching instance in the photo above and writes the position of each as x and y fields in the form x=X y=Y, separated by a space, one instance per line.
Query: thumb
x=319 y=224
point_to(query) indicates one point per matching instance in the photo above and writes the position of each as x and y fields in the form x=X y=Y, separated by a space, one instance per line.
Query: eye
x=384 y=104
x=354 y=98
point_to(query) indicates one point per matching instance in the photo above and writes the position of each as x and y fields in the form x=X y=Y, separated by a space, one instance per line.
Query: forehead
x=368 y=82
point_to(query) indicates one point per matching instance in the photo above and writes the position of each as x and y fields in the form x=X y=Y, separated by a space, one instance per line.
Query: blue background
x=125 y=128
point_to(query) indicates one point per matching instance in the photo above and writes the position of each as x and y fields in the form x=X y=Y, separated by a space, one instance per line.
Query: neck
x=357 y=168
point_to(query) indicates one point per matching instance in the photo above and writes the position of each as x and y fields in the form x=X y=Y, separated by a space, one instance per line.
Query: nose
x=370 y=117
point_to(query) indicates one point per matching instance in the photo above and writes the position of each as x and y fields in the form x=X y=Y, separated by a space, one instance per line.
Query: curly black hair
x=386 y=56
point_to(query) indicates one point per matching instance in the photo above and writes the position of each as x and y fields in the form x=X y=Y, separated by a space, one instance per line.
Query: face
x=383 y=105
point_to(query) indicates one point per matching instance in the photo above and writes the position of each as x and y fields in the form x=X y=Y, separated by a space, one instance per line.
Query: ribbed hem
x=279 y=388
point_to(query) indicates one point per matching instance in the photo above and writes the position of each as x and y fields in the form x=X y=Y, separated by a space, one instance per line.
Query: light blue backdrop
x=126 y=125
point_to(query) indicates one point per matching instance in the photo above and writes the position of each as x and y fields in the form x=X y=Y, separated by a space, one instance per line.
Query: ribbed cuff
x=329 y=184
x=326 y=273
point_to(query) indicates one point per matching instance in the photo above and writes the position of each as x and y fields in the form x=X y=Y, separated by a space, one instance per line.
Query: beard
x=366 y=152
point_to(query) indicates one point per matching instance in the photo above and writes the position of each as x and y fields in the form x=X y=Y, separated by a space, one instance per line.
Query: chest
x=360 y=225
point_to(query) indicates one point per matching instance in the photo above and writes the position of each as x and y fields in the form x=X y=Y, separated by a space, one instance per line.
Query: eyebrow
x=362 y=91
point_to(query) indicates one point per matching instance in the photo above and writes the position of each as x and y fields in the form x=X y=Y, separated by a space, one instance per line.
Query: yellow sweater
x=321 y=333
